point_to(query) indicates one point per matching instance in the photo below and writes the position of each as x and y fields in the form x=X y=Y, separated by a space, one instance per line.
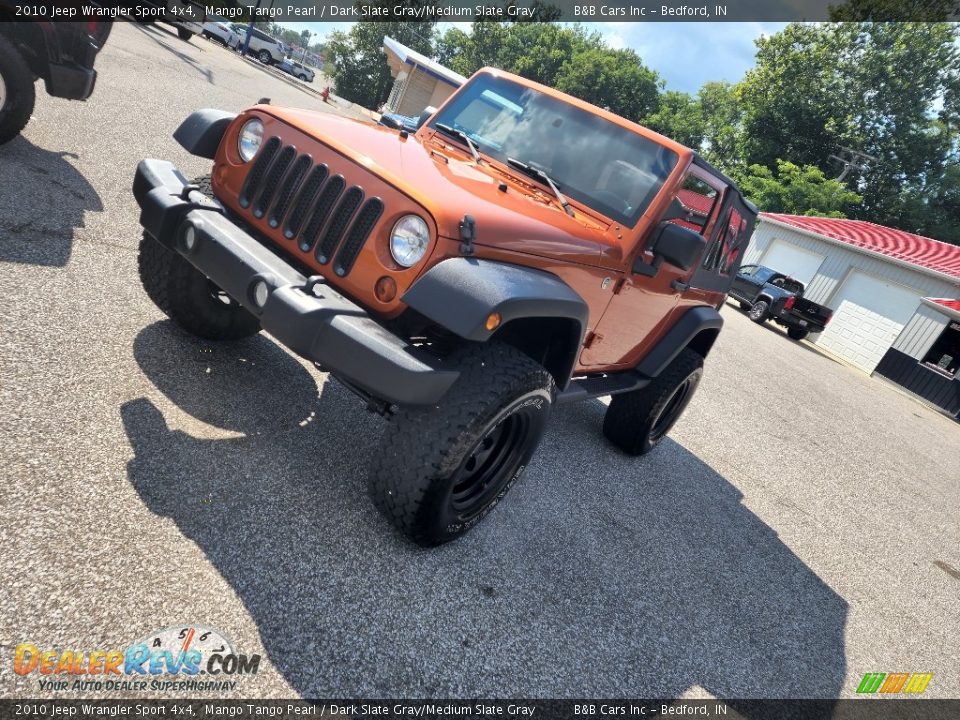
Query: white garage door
x=868 y=314
x=795 y=261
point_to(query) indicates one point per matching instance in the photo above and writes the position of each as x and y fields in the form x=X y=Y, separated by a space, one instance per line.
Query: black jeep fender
x=696 y=329
x=200 y=134
x=459 y=295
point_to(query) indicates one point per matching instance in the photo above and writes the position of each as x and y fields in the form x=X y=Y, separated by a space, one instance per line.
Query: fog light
x=190 y=238
x=493 y=321
x=260 y=293
x=385 y=289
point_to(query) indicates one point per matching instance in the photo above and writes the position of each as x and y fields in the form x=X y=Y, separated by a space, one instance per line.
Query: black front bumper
x=305 y=314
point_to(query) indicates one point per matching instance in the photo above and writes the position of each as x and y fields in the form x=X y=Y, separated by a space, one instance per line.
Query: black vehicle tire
x=188 y=297
x=265 y=57
x=441 y=469
x=759 y=311
x=184 y=34
x=18 y=93
x=744 y=305
x=797 y=333
x=637 y=421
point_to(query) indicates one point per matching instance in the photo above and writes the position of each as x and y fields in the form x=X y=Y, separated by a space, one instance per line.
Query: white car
x=221 y=31
x=268 y=50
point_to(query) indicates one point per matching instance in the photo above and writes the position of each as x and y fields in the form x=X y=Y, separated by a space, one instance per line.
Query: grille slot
x=331 y=191
x=306 y=197
x=348 y=205
x=362 y=226
x=290 y=186
x=260 y=165
x=272 y=180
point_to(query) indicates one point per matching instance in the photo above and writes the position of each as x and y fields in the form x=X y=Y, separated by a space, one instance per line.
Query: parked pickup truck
x=770 y=295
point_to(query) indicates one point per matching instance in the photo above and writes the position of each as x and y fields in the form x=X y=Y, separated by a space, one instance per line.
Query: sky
x=686 y=55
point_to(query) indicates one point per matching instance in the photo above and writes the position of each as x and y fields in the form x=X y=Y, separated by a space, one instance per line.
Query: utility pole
x=306 y=45
x=851 y=160
x=246 y=40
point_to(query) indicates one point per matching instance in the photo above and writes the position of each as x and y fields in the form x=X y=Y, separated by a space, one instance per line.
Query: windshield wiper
x=463 y=136
x=541 y=175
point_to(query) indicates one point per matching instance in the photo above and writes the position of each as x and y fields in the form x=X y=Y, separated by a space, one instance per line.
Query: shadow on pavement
x=160 y=36
x=600 y=576
x=43 y=198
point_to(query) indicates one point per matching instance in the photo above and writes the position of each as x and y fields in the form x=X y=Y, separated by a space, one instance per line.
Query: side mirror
x=675 y=244
x=425 y=115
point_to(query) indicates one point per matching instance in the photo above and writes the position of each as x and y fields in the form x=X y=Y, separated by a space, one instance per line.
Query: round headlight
x=251 y=136
x=409 y=240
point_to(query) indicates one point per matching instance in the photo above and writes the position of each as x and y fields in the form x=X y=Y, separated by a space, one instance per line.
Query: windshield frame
x=670 y=159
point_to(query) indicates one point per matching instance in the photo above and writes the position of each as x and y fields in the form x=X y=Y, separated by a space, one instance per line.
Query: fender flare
x=459 y=294
x=200 y=134
x=697 y=327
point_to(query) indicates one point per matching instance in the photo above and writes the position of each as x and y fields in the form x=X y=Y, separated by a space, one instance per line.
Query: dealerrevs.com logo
x=181 y=657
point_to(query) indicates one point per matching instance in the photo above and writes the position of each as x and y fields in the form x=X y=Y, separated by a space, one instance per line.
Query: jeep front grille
x=320 y=212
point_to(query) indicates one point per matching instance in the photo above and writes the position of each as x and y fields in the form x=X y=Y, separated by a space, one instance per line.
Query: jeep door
x=642 y=307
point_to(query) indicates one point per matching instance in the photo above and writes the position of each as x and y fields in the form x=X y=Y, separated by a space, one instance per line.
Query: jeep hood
x=525 y=218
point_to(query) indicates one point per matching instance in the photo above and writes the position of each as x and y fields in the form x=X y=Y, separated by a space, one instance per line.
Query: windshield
x=591 y=160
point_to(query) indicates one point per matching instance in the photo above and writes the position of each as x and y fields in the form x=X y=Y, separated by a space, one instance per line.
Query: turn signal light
x=385 y=289
x=493 y=321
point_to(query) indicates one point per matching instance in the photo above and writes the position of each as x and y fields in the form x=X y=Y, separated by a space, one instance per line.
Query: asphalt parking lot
x=798 y=529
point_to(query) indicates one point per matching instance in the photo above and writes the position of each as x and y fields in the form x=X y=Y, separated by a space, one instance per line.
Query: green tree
x=360 y=70
x=679 y=117
x=615 y=79
x=891 y=90
x=796 y=190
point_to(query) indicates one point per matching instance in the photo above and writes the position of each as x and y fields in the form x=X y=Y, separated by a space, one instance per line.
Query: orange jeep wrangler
x=521 y=249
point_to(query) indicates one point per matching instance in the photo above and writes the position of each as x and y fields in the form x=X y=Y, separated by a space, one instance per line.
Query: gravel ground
x=795 y=531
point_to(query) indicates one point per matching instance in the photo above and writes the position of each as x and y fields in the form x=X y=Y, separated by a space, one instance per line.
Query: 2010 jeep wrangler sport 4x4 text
x=522 y=248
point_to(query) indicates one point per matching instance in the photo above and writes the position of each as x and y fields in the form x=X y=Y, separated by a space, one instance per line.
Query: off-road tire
x=637 y=421
x=759 y=312
x=20 y=92
x=184 y=34
x=421 y=478
x=186 y=296
x=797 y=333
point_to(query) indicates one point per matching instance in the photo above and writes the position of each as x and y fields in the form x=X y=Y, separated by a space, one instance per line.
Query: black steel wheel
x=637 y=421
x=443 y=468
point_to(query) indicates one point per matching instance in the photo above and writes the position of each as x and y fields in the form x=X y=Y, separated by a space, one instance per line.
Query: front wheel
x=758 y=313
x=265 y=57
x=17 y=91
x=444 y=467
x=797 y=333
x=188 y=297
x=638 y=420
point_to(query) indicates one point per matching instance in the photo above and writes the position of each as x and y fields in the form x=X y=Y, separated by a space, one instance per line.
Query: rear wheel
x=758 y=313
x=265 y=57
x=637 y=421
x=797 y=333
x=443 y=468
x=17 y=91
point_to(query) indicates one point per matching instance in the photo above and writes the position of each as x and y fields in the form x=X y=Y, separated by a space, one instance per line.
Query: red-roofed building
x=895 y=296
